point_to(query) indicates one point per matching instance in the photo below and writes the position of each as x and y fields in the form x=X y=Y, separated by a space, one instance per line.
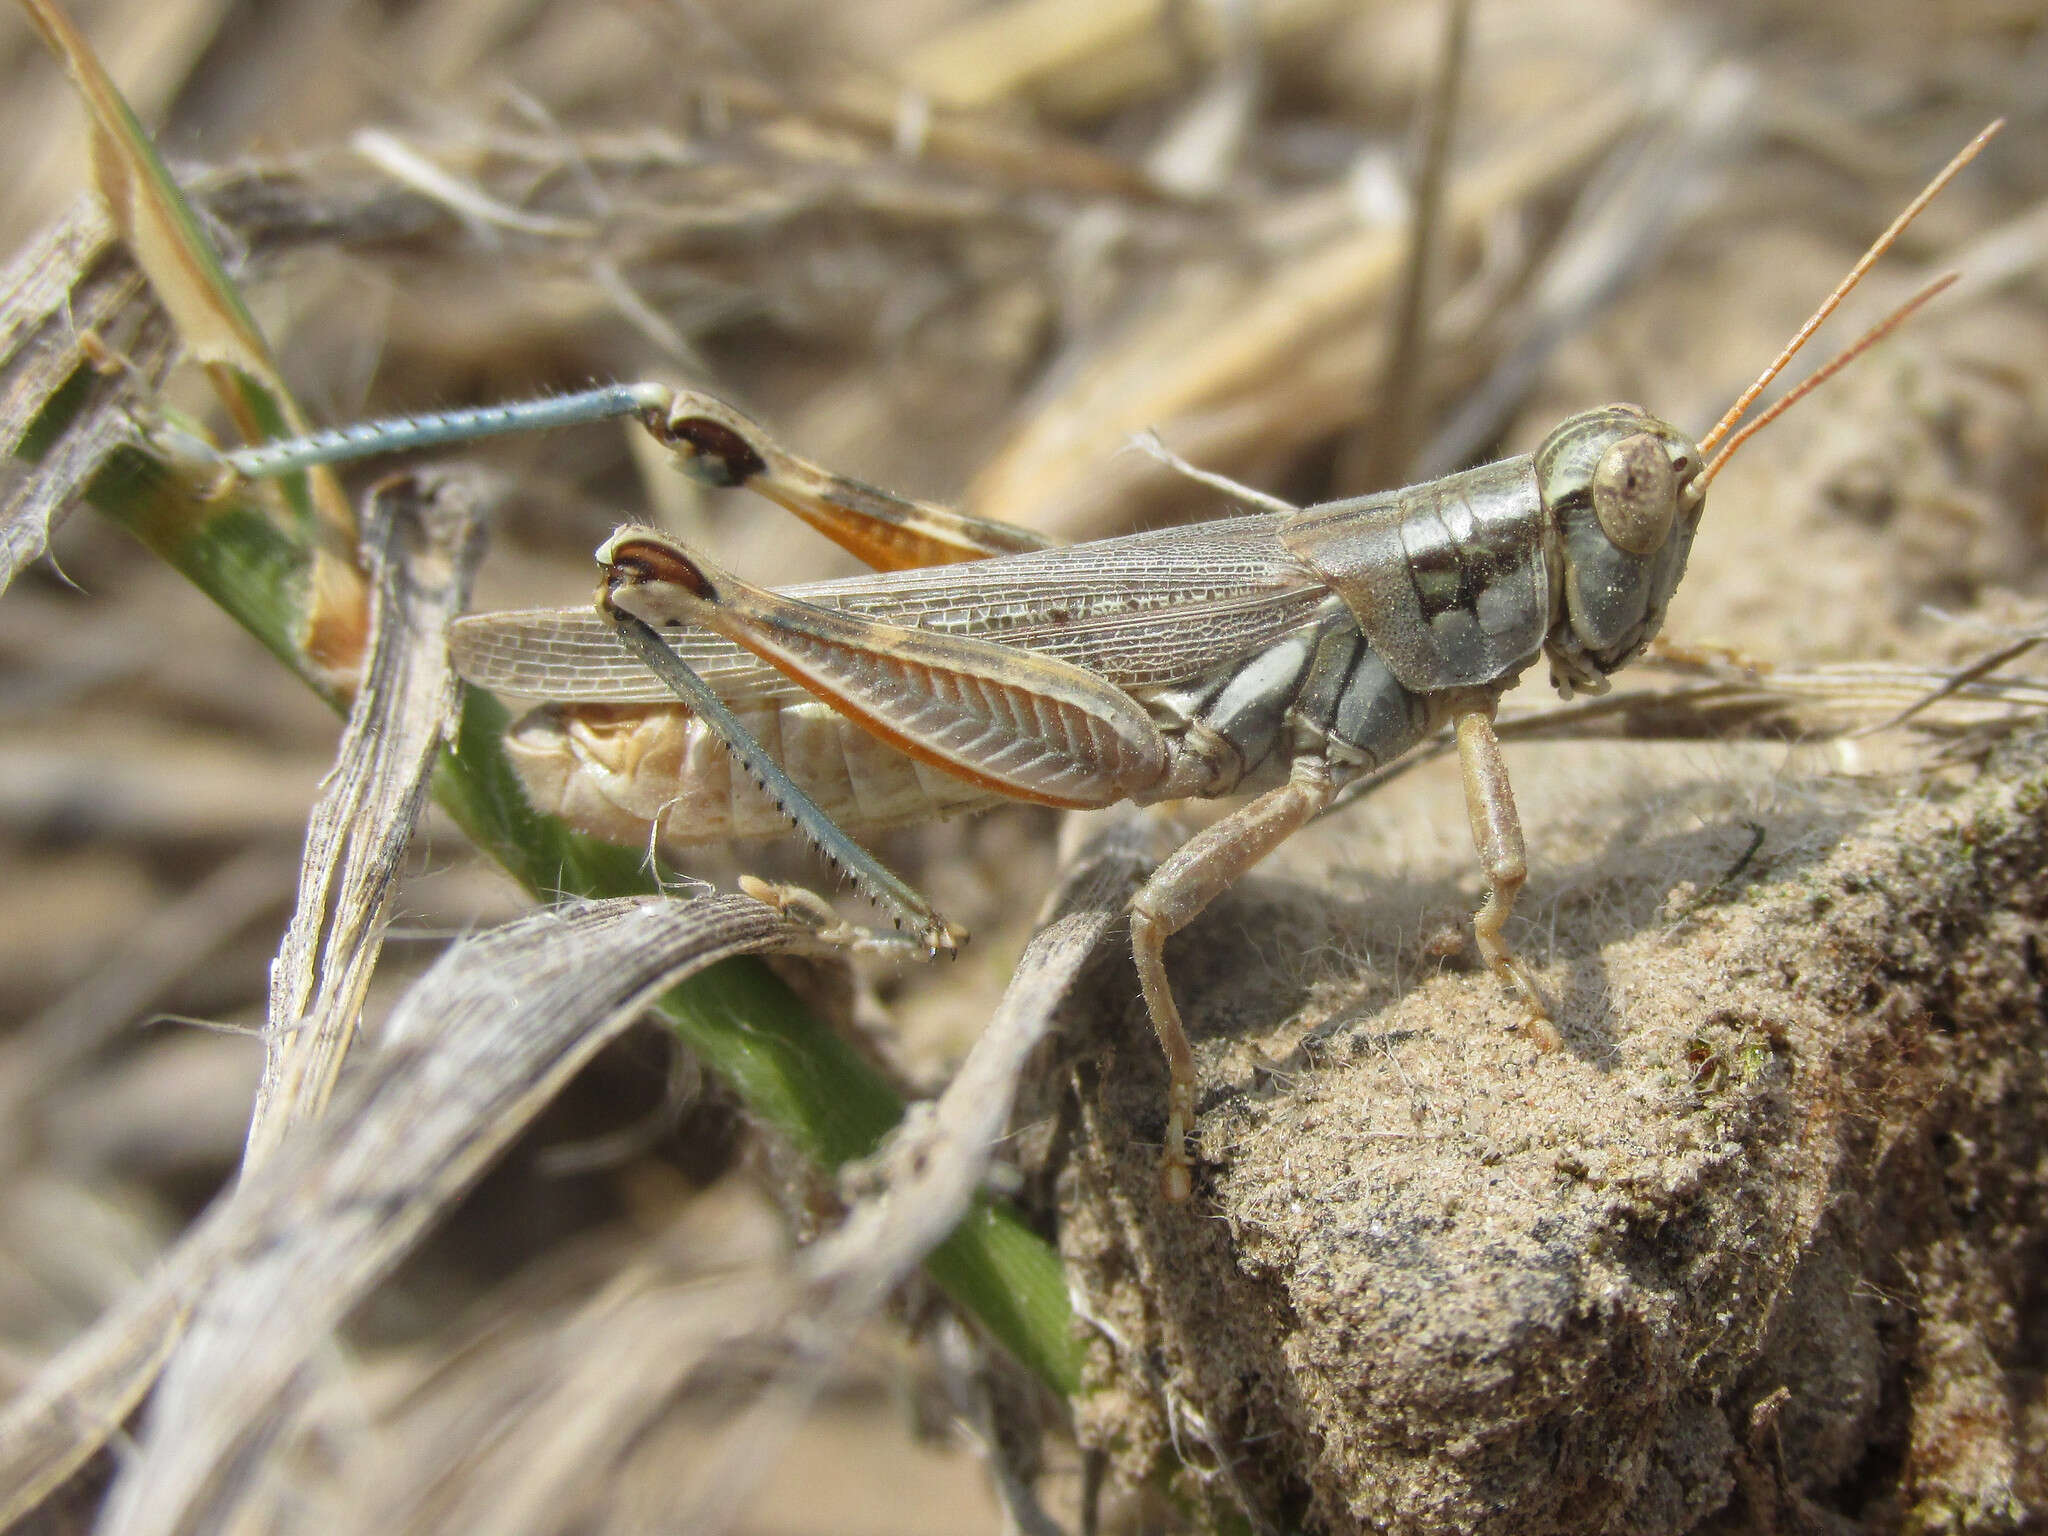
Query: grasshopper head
x=1617 y=488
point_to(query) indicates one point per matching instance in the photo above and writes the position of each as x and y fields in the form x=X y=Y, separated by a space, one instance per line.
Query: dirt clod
x=1756 y=1245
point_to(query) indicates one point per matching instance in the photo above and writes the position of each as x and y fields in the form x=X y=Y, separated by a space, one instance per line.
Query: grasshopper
x=1277 y=654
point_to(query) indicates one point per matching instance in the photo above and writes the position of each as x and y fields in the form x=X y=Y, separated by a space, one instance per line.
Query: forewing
x=571 y=654
x=1149 y=610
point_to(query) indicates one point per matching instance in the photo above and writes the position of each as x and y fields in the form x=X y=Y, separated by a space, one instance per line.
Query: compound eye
x=1635 y=494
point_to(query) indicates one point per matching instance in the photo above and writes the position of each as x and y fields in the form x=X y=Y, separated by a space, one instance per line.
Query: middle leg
x=1197 y=873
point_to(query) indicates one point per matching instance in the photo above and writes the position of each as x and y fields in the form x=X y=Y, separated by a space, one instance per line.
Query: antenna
x=1820 y=376
x=1878 y=247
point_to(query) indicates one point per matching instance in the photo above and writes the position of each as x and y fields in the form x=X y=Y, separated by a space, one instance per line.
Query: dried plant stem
x=277 y=559
x=792 y=1071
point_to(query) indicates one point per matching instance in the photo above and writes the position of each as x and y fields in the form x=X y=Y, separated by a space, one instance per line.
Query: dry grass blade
x=472 y=1053
x=1389 y=447
x=930 y=1169
x=35 y=501
x=769 y=1343
x=1277 y=365
x=77 y=1404
x=159 y=229
x=882 y=113
x=932 y=1166
x=475 y=207
x=554 y=1439
x=1968 y=708
x=1084 y=57
x=85 y=341
x=175 y=941
x=41 y=282
x=163 y=235
x=1621 y=223
x=58 y=292
x=1810 y=703
x=291 y=583
x=422 y=538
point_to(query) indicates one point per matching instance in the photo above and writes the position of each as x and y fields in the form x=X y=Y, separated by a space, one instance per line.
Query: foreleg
x=1497 y=835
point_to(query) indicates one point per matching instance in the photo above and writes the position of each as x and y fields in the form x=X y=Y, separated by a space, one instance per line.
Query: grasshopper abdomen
x=657 y=774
